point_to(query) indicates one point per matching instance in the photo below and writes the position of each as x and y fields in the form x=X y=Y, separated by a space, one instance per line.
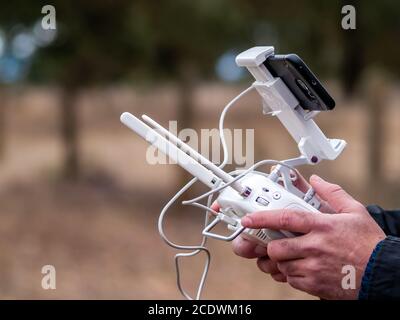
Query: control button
x=276 y=195
x=246 y=192
x=262 y=201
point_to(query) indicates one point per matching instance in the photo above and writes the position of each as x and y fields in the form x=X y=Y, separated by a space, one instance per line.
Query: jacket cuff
x=381 y=279
x=366 y=279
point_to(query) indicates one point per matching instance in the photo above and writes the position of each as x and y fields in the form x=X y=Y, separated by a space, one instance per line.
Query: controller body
x=265 y=195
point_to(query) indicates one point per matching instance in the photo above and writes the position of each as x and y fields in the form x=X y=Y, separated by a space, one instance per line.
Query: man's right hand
x=248 y=249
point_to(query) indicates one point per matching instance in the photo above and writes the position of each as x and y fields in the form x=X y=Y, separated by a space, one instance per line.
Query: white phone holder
x=279 y=101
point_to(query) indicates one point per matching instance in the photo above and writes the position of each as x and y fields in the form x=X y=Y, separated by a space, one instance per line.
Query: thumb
x=334 y=195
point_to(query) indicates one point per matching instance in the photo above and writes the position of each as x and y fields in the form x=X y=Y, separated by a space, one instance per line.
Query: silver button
x=276 y=195
x=262 y=201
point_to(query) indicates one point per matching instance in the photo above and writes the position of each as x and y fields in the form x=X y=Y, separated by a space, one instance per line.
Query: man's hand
x=250 y=250
x=313 y=262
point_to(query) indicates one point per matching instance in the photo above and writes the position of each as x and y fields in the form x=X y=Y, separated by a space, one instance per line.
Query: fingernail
x=245 y=221
x=261 y=251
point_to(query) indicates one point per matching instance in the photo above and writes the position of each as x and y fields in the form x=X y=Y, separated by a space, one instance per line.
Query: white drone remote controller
x=265 y=194
x=251 y=191
x=254 y=192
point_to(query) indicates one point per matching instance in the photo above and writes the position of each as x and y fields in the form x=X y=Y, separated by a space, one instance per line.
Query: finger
x=215 y=206
x=299 y=283
x=325 y=207
x=301 y=183
x=284 y=219
x=292 y=267
x=248 y=249
x=286 y=249
x=267 y=265
x=337 y=198
x=279 y=277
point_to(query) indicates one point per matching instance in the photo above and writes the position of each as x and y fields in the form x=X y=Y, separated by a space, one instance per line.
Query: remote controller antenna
x=195 y=155
x=181 y=153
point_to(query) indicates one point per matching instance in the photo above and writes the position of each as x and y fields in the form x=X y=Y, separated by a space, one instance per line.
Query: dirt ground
x=100 y=233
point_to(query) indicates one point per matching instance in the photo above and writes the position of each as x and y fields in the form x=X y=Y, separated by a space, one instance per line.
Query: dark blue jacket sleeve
x=381 y=279
x=388 y=220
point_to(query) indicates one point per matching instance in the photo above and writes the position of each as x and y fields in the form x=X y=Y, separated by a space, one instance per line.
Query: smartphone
x=301 y=81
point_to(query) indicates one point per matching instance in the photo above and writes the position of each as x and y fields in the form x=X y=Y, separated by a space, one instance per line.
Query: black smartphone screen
x=301 y=81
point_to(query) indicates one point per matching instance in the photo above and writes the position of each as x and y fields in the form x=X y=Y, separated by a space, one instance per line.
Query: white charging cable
x=196 y=249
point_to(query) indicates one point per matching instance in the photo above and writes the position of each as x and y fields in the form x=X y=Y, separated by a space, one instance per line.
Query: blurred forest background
x=76 y=191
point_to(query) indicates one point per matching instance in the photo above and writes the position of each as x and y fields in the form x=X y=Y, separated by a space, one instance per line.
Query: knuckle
x=238 y=248
x=244 y=248
x=310 y=219
x=252 y=217
x=283 y=249
x=335 y=189
x=263 y=265
x=286 y=268
x=284 y=245
x=281 y=268
x=285 y=219
x=273 y=251
x=295 y=282
x=279 y=277
x=326 y=225
x=312 y=248
x=301 y=218
x=312 y=267
x=267 y=265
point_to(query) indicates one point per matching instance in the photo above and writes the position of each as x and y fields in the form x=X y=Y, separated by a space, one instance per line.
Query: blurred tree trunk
x=69 y=132
x=353 y=60
x=377 y=95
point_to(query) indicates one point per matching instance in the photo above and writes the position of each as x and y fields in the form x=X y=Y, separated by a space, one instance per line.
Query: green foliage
x=180 y=32
x=94 y=43
x=106 y=40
